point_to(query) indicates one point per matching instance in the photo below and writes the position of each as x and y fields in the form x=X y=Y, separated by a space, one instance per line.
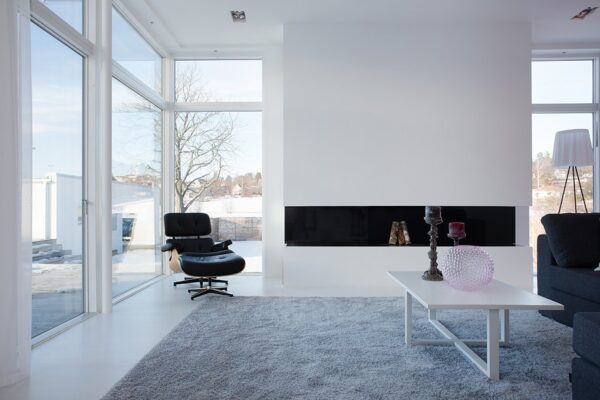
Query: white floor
x=88 y=359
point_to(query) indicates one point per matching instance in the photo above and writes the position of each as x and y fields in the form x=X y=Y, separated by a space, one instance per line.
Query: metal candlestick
x=433 y=273
x=457 y=239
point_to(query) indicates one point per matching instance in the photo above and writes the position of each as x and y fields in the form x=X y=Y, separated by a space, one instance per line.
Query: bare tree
x=203 y=142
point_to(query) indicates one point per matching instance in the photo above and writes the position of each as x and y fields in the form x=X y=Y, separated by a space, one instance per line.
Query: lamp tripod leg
x=574 y=191
x=564 y=188
x=581 y=190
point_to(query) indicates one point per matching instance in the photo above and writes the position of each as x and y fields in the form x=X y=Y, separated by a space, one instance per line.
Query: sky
x=559 y=82
x=57 y=79
x=57 y=76
x=57 y=98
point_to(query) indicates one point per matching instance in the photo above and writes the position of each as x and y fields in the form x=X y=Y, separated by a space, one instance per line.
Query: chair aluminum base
x=188 y=279
x=209 y=288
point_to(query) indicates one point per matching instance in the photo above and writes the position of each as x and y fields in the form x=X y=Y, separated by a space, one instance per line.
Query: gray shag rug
x=341 y=348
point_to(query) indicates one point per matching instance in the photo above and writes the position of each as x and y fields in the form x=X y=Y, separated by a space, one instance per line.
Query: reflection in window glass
x=562 y=81
x=133 y=53
x=218 y=80
x=71 y=11
x=218 y=171
x=136 y=189
x=547 y=181
x=57 y=185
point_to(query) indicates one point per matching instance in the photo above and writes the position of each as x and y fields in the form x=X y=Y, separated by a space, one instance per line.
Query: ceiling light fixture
x=584 y=13
x=238 y=16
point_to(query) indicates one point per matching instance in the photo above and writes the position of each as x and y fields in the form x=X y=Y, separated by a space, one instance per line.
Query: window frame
x=216 y=106
x=579 y=108
x=159 y=100
x=128 y=78
x=163 y=270
x=47 y=20
x=595 y=90
x=237 y=106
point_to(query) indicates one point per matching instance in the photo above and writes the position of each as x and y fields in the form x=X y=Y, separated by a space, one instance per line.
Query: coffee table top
x=497 y=295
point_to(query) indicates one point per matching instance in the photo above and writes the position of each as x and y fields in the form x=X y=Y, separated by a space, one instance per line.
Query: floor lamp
x=572 y=149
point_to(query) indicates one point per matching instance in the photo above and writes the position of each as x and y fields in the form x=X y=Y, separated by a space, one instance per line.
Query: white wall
x=366 y=267
x=273 y=211
x=427 y=114
x=15 y=176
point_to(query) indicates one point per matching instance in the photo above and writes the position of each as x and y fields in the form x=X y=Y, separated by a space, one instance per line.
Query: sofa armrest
x=544 y=254
x=544 y=260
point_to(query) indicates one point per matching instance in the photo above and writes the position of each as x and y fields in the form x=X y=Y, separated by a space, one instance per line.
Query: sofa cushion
x=580 y=282
x=574 y=238
x=586 y=336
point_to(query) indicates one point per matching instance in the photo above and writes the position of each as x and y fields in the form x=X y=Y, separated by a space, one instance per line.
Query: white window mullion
x=586 y=108
x=168 y=153
x=103 y=209
x=596 y=146
x=564 y=108
x=219 y=107
x=135 y=84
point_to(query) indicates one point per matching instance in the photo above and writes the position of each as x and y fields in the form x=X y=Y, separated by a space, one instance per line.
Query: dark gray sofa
x=567 y=256
x=577 y=288
x=586 y=368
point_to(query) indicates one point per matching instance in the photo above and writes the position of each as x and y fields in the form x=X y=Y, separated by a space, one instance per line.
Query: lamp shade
x=572 y=148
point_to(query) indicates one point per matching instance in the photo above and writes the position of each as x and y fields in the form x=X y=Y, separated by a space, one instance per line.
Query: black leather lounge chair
x=200 y=258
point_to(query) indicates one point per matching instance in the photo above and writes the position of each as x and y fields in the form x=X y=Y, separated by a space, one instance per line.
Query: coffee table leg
x=408 y=318
x=432 y=314
x=493 y=344
x=505 y=327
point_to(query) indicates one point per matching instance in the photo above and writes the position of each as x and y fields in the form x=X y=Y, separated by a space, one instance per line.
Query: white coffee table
x=497 y=298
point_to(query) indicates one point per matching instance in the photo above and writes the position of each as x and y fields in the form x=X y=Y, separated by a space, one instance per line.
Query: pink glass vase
x=468 y=268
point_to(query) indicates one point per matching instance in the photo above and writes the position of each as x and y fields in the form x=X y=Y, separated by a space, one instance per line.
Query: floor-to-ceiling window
x=58 y=181
x=136 y=189
x=136 y=160
x=564 y=97
x=218 y=149
x=70 y=11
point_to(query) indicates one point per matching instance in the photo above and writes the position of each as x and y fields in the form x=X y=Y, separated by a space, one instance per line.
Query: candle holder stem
x=456 y=238
x=433 y=273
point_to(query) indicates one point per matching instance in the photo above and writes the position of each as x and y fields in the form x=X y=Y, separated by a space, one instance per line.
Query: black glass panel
x=370 y=226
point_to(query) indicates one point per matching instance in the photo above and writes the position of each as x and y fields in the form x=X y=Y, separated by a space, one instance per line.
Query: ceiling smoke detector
x=238 y=16
x=584 y=13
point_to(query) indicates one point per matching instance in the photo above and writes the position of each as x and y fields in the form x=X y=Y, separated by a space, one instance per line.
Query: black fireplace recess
x=370 y=226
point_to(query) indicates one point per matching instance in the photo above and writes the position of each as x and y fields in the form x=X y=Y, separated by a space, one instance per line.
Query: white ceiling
x=182 y=26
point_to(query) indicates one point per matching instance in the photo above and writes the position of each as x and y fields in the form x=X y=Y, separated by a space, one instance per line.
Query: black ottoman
x=213 y=264
x=209 y=266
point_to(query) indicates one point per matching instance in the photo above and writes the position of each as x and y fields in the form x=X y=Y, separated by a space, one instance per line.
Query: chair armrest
x=222 y=245
x=168 y=247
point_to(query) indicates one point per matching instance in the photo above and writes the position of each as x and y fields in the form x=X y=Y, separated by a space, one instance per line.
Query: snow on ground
x=131 y=265
x=231 y=207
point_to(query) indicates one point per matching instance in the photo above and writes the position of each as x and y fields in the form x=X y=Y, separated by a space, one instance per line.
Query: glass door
x=58 y=182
